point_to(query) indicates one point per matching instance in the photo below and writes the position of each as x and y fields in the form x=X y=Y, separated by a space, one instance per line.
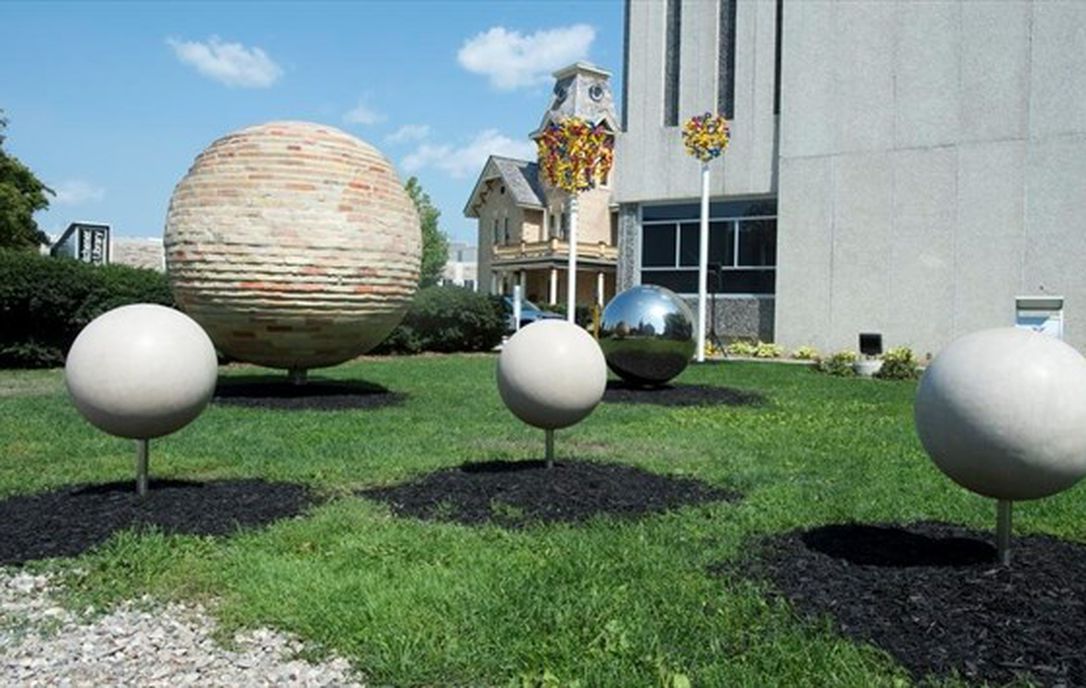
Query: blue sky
x=110 y=102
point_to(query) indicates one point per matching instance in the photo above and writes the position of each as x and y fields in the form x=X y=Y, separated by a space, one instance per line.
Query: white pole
x=703 y=259
x=554 y=287
x=571 y=282
x=517 y=296
x=599 y=289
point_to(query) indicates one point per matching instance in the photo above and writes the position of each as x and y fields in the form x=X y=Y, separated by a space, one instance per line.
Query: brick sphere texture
x=293 y=244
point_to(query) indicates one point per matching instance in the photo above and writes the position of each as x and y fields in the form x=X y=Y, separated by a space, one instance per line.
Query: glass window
x=658 y=246
x=721 y=243
x=747 y=281
x=678 y=281
x=757 y=242
x=689 y=233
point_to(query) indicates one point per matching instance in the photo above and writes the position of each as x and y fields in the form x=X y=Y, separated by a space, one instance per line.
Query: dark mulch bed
x=70 y=521
x=518 y=493
x=933 y=596
x=314 y=395
x=622 y=392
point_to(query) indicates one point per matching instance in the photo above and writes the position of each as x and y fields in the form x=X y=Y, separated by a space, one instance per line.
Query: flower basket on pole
x=705 y=137
x=574 y=156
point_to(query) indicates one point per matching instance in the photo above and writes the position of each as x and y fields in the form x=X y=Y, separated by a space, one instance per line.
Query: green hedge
x=45 y=302
x=447 y=319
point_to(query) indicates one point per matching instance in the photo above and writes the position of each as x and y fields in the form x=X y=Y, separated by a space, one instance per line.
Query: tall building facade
x=911 y=169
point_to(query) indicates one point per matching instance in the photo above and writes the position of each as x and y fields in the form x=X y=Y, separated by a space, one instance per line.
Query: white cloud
x=363 y=114
x=469 y=159
x=77 y=192
x=232 y=64
x=409 y=132
x=512 y=60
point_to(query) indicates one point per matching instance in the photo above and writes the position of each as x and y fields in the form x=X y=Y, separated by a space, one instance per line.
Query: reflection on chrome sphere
x=647 y=335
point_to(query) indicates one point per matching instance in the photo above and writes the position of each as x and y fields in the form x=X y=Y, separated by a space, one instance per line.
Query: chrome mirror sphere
x=647 y=335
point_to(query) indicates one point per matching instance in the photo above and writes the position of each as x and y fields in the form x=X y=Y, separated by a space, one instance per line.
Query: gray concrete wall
x=932 y=168
x=650 y=163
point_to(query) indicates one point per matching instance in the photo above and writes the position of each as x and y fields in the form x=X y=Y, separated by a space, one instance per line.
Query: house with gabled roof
x=523 y=222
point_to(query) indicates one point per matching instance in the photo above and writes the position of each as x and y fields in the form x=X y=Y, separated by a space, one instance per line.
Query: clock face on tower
x=595 y=92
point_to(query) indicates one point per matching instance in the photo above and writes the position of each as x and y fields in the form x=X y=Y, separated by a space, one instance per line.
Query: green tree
x=21 y=195
x=435 y=245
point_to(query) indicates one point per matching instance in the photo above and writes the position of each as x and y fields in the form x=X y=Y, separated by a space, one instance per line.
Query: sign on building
x=85 y=241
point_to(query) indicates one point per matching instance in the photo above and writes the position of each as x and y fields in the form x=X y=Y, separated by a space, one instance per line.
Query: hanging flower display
x=706 y=136
x=575 y=155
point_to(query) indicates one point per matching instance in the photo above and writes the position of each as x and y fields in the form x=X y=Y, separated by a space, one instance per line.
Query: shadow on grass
x=69 y=521
x=622 y=392
x=276 y=392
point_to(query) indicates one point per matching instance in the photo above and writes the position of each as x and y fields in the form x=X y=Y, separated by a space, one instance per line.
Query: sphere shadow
x=868 y=545
x=623 y=392
x=274 y=392
x=70 y=521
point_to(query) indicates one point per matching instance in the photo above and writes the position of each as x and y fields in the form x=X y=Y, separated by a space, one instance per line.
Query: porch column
x=522 y=278
x=599 y=289
x=494 y=282
x=554 y=286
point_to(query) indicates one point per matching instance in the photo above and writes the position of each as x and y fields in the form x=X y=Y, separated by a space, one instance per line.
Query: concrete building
x=461 y=269
x=896 y=167
x=524 y=221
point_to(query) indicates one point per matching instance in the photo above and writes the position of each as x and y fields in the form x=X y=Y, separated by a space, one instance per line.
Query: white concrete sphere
x=293 y=244
x=551 y=374
x=141 y=371
x=1003 y=413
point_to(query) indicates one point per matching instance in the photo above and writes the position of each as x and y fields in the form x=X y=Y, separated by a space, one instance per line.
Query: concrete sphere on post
x=293 y=244
x=647 y=335
x=1003 y=413
x=141 y=371
x=551 y=374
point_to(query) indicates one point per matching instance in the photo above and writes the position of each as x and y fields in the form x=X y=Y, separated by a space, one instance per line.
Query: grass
x=610 y=603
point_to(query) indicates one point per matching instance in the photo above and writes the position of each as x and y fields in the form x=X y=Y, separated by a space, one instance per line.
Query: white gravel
x=140 y=644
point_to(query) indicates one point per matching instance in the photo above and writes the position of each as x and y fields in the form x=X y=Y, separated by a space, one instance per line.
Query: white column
x=554 y=287
x=493 y=282
x=599 y=289
x=703 y=259
x=571 y=282
x=522 y=281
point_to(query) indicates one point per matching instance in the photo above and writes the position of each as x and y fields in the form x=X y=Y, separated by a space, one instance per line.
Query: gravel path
x=42 y=644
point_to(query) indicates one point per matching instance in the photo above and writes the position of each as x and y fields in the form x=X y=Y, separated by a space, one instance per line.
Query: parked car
x=529 y=313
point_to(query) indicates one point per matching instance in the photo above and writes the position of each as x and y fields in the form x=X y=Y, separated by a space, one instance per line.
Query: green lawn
x=610 y=603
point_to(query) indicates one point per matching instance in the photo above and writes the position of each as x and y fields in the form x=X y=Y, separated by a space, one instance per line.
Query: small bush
x=447 y=319
x=899 y=363
x=741 y=347
x=768 y=350
x=45 y=302
x=839 y=364
x=805 y=353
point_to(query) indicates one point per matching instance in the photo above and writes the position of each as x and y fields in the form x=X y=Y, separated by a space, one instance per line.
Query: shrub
x=899 y=363
x=45 y=302
x=805 y=353
x=741 y=347
x=447 y=319
x=839 y=364
x=768 y=350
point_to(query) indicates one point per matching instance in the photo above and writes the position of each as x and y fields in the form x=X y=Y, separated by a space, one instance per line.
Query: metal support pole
x=142 y=450
x=297 y=376
x=703 y=259
x=1003 y=530
x=571 y=286
x=550 y=448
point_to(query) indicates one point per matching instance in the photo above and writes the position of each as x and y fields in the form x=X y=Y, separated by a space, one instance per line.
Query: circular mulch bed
x=934 y=597
x=314 y=395
x=622 y=392
x=518 y=493
x=70 y=521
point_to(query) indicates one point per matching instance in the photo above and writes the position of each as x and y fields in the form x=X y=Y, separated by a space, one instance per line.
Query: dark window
x=722 y=243
x=757 y=242
x=671 y=63
x=625 y=64
x=507 y=237
x=777 y=62
x=688 y=244
x=719 y=209
x=725 y=91
x=658 y=246
x=678 y=281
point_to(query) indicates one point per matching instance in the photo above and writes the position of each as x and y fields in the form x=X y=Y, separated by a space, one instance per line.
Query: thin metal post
x=571 y=268
x=703 y=260
x=1003 y=530
x=142 y=450
x=297 y=376
x=550 y=448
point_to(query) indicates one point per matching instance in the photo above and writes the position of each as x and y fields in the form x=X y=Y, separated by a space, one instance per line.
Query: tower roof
x=581 y=90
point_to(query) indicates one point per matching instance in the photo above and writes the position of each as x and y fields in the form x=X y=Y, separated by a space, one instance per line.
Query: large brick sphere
x=293 y=244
